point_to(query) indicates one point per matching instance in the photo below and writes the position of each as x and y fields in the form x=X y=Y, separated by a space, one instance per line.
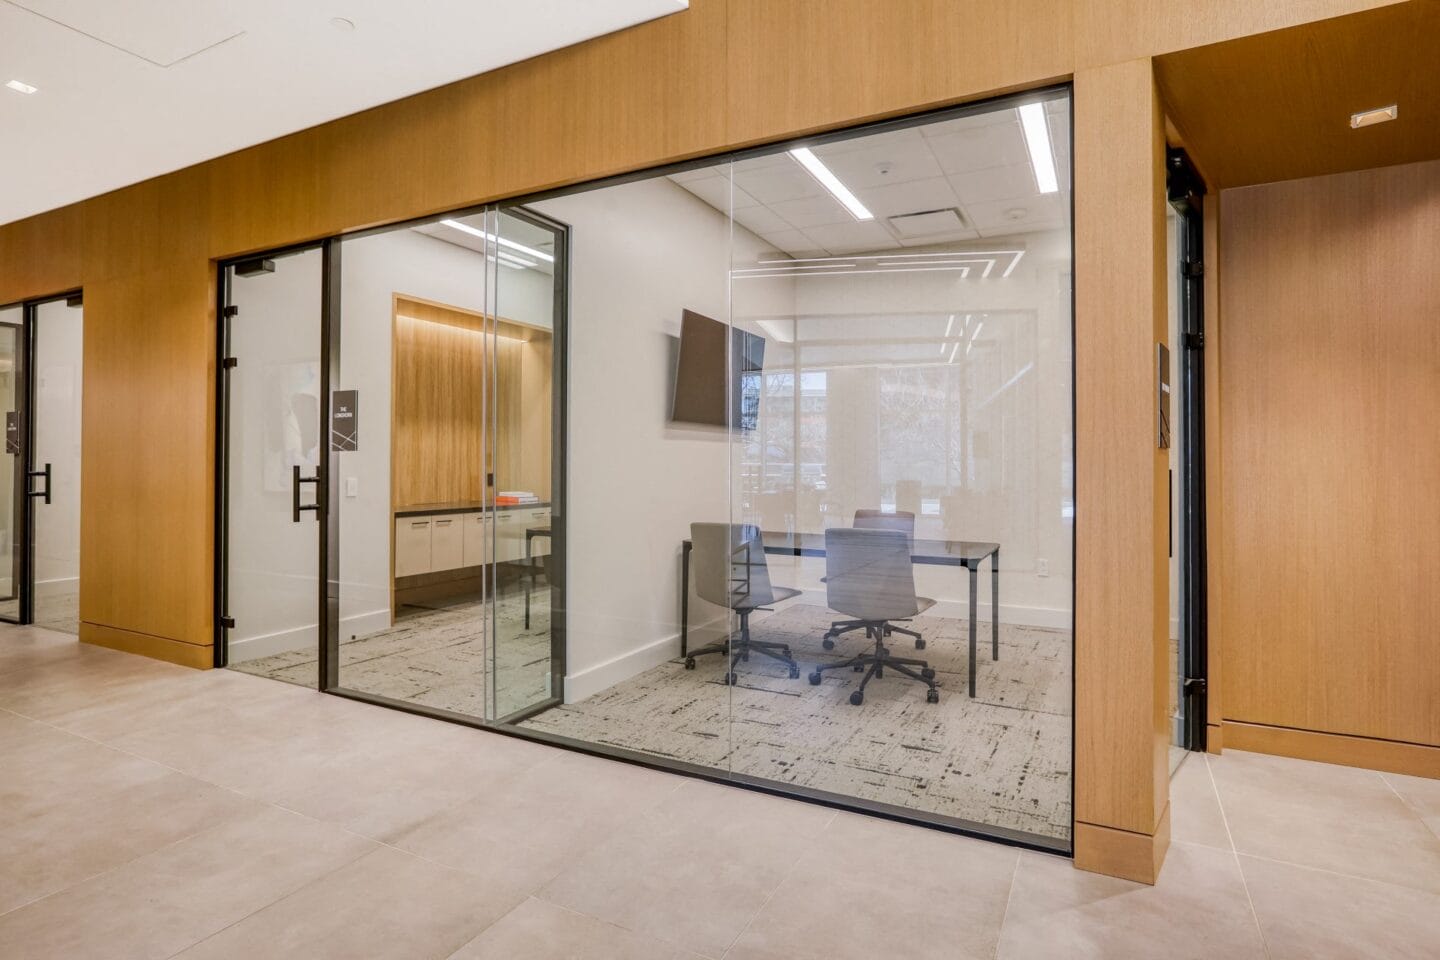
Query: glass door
x=12 y=473
x=57 y=329
x=271 y=513
x=526 y=265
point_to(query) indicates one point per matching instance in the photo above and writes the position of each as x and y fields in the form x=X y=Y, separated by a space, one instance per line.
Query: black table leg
x=685 y=599
x=974 y=609
x=995 y=604
x=529 y=572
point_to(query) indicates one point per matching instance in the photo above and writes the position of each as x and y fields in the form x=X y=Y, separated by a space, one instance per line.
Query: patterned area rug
x=1001 y=759
x=438 y=658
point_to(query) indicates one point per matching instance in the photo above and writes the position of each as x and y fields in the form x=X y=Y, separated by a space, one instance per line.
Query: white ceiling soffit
x=128 y=90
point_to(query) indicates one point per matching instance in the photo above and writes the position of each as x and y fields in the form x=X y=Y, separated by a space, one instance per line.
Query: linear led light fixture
x=504 y=242
x=807 y=159
x=20 y=86
x=1037 y=140
x=954 y=350
x=1368 y=118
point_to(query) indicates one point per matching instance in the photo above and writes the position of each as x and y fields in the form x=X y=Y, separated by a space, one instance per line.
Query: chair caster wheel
x=732 y=678
x=857 y=668
x=928 y=673
x=689 y=663
x=815 y=679
x=932 y=696
x=857 y=698
x=794 y=672
x=830 y=633
x=919 y=644
x=745 y=657
x=828 y=644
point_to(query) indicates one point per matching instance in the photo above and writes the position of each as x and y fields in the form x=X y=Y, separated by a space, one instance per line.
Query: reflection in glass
x=915 y=370
x=11 y=465
x=59 y=334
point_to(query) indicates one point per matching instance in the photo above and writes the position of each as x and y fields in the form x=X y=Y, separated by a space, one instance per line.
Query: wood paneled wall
x=440 y=371
x=723 y=73
x=1331 y=529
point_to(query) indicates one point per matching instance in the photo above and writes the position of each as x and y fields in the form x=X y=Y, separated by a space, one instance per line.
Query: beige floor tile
x=385 y=904
x=1330 y=817
x=697 y=869
x=1422 y=795
x=45 y=692
x=26 y=647
x=537 y=930
x=161 y=903
x=525 y=829
x=1316 y=915
x=1198 y=911
x=1195 y=815
x=869 y=888
x=83 y=809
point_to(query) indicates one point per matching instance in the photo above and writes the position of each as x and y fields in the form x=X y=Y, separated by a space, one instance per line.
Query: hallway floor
x=153 y=811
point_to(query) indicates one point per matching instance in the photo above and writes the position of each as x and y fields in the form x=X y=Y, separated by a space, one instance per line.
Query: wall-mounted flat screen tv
x=713 y=387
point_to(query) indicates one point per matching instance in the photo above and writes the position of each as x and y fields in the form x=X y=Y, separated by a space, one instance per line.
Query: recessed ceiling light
x=1368 y=118
x=342 y=23
x=1037 y=140
x=528 y=251
x=20 y=86
x=807 y=159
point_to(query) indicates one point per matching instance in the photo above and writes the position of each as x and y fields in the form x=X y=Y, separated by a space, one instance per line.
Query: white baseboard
x=605 y=675
x=304 y=638
x=57 y=586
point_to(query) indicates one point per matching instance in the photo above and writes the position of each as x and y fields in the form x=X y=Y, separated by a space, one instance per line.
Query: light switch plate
x=352 y=486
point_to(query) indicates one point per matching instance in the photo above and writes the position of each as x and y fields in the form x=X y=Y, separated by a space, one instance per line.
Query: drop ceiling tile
x=717 y=191
x=914 y=196
x=812 y=212
x=947 y=127
x=777 y=182
x=880 y=160
x=993 y=145
x=853 y=237
x=760 y=220
x=159 y=31
x=998 y=217
x=995 y=183
x=793 y=242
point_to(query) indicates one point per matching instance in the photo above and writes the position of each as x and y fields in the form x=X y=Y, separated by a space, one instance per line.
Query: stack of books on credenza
x=515 y=498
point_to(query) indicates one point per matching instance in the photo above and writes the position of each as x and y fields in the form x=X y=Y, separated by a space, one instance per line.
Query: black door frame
x=1186 y=193
x=23 y=521
x=225 y=314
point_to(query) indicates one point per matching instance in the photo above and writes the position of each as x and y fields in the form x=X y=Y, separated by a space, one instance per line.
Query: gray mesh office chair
x=728 y=564
x=877 y=520
x=868 y=576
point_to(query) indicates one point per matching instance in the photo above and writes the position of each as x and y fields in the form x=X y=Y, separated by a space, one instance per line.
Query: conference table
x=940 y=553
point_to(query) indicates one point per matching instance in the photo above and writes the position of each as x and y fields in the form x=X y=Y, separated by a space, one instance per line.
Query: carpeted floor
x=438 y=658
x=1001 y=759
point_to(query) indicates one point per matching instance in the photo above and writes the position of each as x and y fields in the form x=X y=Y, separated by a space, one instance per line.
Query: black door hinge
x=228 y=623
x=1194 y=686
x=231 y=312
x=230 y=362
x=1194 y=268
x=1194 y=341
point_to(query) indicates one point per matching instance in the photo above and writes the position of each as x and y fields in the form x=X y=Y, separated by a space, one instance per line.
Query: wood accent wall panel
x=1331 y=531
x=849 y=67
x=42 y=255
x=1277 y=106
x=1121 y=779
x=1108 y=31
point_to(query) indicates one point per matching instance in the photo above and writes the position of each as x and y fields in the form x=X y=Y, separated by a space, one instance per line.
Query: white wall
x=641 y=253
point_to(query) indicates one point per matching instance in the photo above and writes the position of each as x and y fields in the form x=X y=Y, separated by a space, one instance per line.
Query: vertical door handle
x=41 y=473
x=295 y=481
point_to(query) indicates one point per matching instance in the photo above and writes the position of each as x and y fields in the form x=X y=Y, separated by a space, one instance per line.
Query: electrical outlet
x=1042 y=567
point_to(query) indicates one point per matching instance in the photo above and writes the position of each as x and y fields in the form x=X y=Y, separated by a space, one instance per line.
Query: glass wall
x=12 y=467
x=820 y=461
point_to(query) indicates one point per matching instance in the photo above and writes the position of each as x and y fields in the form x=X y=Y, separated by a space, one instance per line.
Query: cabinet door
x=477 y=534
x=447 y=543
x=412 y=546
x=509 y=535
x=539 y=546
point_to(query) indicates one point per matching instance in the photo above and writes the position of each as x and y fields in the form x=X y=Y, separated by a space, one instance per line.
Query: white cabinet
x=478 y=530
x=412 y=546
x=447 y=542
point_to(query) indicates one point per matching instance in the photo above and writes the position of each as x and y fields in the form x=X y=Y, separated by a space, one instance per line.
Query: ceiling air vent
x=928 y=223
